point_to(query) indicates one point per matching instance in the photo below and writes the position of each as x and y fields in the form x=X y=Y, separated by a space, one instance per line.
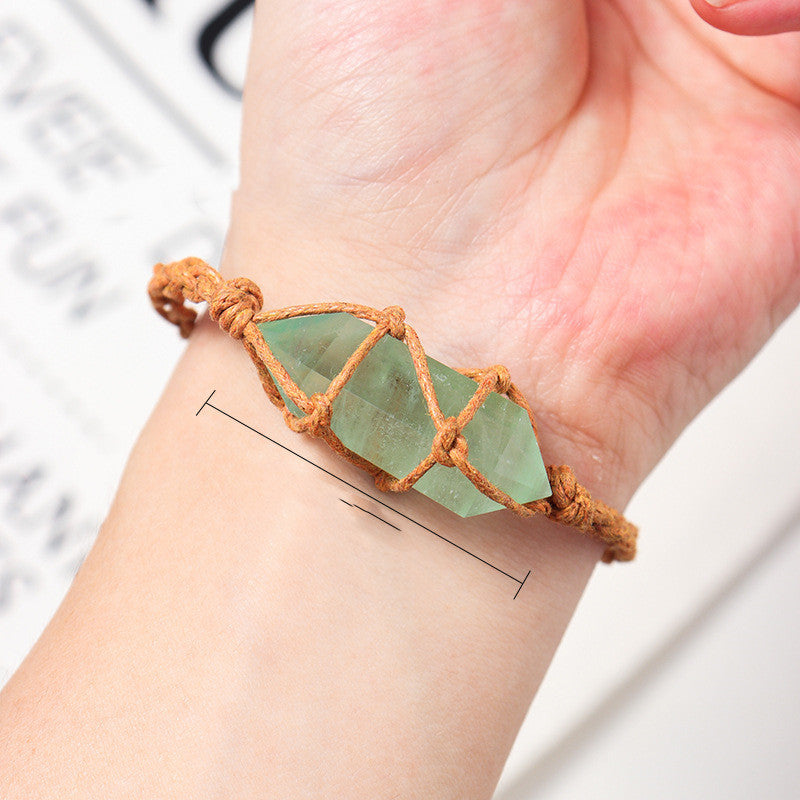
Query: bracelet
x=392 y=356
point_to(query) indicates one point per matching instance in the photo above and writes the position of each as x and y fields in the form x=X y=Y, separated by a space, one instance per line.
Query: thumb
x=750 y=17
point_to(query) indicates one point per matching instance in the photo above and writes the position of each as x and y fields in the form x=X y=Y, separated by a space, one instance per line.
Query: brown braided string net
x=236 y=307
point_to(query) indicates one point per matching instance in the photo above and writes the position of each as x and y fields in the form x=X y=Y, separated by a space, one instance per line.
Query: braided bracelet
x=390 y=412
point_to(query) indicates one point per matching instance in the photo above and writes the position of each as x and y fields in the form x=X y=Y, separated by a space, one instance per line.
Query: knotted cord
x=236 y=305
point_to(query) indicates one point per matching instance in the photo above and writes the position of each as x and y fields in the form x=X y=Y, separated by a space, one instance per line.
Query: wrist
x=460 y=311
x=231 y=595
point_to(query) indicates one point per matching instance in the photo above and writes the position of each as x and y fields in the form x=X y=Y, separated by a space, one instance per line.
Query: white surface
x=78 y=379
x=716 y=712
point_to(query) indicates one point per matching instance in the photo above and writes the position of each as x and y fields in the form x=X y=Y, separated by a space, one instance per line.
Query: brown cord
x=236 y=307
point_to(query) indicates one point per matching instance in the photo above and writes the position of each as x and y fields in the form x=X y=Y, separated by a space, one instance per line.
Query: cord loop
x=234 y=304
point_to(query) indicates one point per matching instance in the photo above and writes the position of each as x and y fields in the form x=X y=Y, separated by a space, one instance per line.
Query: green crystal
x=381 y=412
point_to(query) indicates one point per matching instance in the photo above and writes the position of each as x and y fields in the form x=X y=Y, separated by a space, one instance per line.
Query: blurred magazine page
x=118 y=146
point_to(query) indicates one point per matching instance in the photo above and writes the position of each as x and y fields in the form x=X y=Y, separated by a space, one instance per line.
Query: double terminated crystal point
x=381 y=413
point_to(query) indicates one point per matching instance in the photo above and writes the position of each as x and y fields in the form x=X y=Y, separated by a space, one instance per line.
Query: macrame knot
x=316 y=421
x=449 y=439
x=503 y=378
x=234 y=305
x=166 y=290
x=395 y=318
x=570 y=501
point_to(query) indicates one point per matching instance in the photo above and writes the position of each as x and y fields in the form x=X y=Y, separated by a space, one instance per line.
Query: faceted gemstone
x=381 y=413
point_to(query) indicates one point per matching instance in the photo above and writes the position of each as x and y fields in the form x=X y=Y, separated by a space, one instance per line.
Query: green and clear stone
x=381 y=413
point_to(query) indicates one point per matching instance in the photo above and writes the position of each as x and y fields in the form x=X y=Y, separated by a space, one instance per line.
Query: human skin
x=602 y=196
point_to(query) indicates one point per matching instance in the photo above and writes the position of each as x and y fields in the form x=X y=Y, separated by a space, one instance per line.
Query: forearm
x=237 y=625
x=238 y=628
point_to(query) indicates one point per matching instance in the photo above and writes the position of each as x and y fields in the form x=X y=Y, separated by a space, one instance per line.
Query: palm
x=624 y=243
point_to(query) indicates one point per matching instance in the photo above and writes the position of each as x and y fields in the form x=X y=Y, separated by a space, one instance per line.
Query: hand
x=602 y=196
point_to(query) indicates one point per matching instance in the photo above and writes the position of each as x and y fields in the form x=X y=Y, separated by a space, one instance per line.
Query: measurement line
x=151 y=89
x=366 y=494
x=367 y=511
x=521 y=585
x=206 y=402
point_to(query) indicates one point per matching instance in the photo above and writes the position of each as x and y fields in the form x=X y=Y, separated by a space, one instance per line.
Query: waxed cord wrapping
x=236 y=305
